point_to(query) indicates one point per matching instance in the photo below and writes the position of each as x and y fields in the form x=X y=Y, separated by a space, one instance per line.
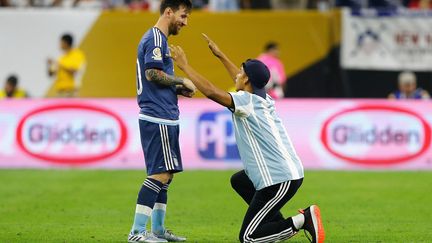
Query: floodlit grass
x=98 y=206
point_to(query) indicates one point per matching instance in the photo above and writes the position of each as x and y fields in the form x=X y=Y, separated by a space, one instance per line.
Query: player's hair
x=270 y=46
x=12 y=80
x=174 y=5
x=68 y=39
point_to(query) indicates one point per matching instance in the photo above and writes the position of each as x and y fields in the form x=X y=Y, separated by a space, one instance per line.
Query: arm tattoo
x=159 y=77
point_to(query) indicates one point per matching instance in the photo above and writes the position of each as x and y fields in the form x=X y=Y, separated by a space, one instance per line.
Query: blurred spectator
x=114 y=3
x=4 y=3
x=18 y=3
x=81 y=3
x=357 y=4
x=420 y=4
x=61 y=3
x=321 y=5
x=255 y=4
x=350 y=4
x=11 y=89
x=289 y=4
x=67 y=68
x=408 y=88
x=33 y=3
x=223 y=5
x=271 y=59
x=385 y=4
x=139 y=5
x=154 y=5
x=200 y=4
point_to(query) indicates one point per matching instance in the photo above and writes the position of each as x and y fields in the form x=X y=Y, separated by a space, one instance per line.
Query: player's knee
x=163 y=177
x=235 y=180
x=241 y=236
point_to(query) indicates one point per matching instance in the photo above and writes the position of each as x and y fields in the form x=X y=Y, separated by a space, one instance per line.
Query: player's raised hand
x=212 y=45
x=179 y=56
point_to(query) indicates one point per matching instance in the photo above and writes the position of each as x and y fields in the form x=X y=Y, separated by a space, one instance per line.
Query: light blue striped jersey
x=266 y=150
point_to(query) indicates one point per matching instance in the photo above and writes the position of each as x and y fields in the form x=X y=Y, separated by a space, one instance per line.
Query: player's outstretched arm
x=206 y=87
x=232 y=69
x=160 y=77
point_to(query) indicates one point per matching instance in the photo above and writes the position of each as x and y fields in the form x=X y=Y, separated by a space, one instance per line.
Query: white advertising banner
x=387 y=39
x=104 y=133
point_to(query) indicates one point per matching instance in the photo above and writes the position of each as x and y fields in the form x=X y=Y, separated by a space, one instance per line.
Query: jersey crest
x=157 y=54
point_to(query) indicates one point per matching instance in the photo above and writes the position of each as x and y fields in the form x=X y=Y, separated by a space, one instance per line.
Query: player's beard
x=173 y=29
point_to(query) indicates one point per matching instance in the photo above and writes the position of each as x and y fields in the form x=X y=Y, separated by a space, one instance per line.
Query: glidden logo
x=376 y=135
x=71 y=133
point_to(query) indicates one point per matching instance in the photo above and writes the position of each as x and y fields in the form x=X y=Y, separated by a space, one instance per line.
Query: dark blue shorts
x=161 y=147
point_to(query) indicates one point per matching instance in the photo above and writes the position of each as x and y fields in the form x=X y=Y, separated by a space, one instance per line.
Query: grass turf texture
x=98 y=206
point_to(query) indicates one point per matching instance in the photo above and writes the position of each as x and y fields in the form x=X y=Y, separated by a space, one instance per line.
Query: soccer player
x=272 y=170
x=157 y=90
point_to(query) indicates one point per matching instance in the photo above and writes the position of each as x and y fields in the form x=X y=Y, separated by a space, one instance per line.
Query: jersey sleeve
x=243 y=105
x=153 y=53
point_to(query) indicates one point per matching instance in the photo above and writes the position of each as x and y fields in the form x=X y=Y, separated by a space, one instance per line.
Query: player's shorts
x=161 y=147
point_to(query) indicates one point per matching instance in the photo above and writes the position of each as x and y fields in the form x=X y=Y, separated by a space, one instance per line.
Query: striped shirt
x=156 y=101
x=265 y=148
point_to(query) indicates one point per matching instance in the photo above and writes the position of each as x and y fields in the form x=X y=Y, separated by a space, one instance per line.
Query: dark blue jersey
x=155 y=100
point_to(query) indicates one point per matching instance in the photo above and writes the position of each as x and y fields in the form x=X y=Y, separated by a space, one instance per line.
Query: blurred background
x=324 y=53
x=351 y=80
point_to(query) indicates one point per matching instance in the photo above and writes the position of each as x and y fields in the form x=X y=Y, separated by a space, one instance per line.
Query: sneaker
x=313 y=224
x=144 y=237
x=170 y=236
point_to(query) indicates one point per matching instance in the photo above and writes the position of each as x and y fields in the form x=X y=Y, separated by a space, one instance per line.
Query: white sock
x=298 y=221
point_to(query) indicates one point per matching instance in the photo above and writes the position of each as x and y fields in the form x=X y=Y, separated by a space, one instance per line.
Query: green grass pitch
x=98 y=206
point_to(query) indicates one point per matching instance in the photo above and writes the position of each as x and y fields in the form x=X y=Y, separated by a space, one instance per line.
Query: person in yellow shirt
x=67 y=68
x=11 y=89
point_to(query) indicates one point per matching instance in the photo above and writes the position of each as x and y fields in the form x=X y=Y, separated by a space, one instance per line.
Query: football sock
x=146 y=200
x=159 y=210
x=298 y=221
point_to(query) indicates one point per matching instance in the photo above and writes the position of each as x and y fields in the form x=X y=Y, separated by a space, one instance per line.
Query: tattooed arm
x=159 y=77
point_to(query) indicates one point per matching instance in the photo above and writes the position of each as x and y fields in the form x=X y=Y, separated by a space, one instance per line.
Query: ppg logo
x=216 y=138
